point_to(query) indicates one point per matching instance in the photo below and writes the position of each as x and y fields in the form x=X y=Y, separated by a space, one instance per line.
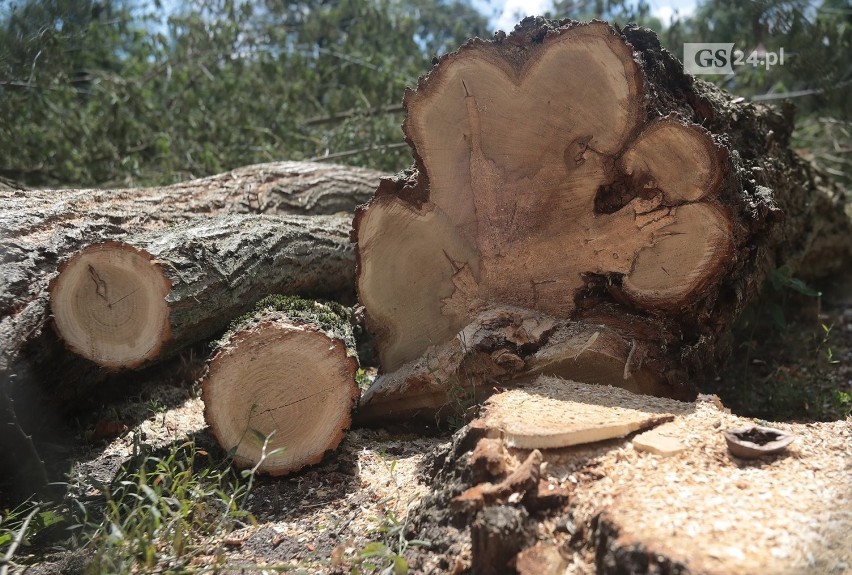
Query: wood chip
x=554 y=413
x=662 y=440
x=540 y=559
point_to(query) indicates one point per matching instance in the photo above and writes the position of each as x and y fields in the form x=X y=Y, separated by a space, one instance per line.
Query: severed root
x=506 y=346
x=281 y=389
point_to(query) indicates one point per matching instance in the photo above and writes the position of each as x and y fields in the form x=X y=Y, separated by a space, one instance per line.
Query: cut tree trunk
x=124 y=304
x=42 y=227
x=574 y=171
x=281 y=388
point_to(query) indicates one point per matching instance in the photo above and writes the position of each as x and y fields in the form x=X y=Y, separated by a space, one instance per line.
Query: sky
x=504 y=14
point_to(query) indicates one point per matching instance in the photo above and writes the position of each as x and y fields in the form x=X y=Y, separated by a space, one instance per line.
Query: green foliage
x=816 y=38
x=773 y=304
x=387 y=555
x=364 y=379
x=782 y=367
x=378 y=556
x=828 y=143
x=96 y=92
x=843 y=401
x=330 y=317
x=619 y=12
x=157 y=514
x=24 y=524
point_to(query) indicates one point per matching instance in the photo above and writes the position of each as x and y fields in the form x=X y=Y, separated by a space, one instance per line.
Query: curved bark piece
x=281 y=388
x=125 y=304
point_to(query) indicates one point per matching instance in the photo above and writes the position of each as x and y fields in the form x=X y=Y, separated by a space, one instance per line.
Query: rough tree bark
x=574 y=171
x=40 y=228
x=124 y=304
x=281 y=388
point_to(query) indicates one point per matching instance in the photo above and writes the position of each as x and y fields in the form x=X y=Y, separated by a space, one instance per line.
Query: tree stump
x=603 y=505
x=574 y=171
x=281 y=388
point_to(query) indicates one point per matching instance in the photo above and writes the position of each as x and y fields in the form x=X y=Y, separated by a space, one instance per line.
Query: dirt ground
x=321 y=520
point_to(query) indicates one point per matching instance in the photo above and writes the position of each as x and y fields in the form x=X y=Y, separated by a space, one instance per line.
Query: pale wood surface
x=126 y=304
x=283 y=381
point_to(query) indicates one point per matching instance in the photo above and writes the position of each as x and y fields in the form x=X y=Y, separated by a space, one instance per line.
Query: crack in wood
x=271 y=409
x=109 y=305
x=100 y=284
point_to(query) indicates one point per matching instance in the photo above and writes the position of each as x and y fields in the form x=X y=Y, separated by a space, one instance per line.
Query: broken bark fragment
x=497 y=534
x=756 y=441
x=540 y=559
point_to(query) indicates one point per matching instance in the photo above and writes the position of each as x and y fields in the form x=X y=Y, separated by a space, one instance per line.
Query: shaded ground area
x=793 y=357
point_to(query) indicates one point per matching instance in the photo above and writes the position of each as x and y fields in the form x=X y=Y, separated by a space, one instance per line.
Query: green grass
x=168 y=514
x=163 y=515
x=783 y=366
x=20 y=524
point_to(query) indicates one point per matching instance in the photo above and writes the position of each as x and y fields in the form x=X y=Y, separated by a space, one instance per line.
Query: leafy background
x=132 y=92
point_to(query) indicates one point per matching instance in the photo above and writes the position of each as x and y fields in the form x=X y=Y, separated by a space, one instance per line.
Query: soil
x=706 y=511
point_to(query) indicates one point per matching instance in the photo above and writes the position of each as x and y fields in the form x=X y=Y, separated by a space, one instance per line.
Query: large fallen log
x=40 y=228
x=281 y=388
x=123 y=304
x=575 y=171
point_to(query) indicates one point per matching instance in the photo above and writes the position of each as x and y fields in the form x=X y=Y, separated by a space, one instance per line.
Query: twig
x=797 y=93
x=318 y=120
x=356 y=152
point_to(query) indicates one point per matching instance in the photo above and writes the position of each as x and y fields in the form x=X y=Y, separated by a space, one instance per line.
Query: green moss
x=329 y=317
